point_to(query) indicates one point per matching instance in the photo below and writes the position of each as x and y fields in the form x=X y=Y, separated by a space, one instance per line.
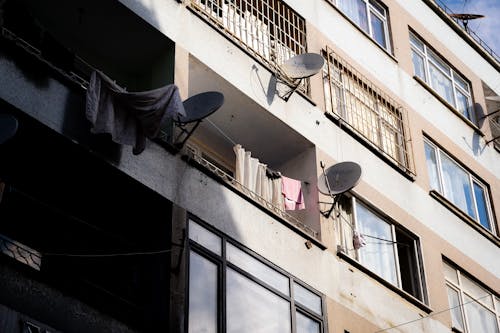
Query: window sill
x=464 y=217
x=389 y=285
x=364 y=33
x=448 y=105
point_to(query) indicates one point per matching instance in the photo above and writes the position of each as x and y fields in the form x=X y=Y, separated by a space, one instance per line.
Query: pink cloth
x=292 y=191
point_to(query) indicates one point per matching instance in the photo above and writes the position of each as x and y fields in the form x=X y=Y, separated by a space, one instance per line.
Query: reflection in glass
x=258 y=269
x=204 y=237
x=482 y=209
x=306 y=324
x=457 y=187
x=252 y=308
x=377 y=256
x=479 y=318
x=378 y=30
x=418 y=65
x=441 y=84
x=430 y=156
x=307 y=298
x=356 y=11
x=202 y=295
x=456 y=313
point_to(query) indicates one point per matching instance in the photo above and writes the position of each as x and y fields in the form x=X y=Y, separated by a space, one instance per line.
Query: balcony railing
x=269 y=30
x=367 y=111
x=193 y=155
x=20 y=252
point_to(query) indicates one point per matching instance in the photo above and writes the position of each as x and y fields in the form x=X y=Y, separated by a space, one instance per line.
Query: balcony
x=242 y=121
x=367 y=112
x=270 y=31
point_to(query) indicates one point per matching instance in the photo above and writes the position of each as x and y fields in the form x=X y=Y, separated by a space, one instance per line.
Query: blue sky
x=487 y=28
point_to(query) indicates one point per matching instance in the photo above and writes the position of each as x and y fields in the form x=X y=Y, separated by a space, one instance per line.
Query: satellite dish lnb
x=8 y=127
x=300 y=67
x=337 y=179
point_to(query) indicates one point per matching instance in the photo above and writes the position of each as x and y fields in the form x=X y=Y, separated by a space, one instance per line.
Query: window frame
x=369 y=10
x=223 y=264
x=462 y=293
x=395 y=228
x=427 y=54
x=473 y=179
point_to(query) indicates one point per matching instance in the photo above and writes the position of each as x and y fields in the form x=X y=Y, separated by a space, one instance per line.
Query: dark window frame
x=223 y=263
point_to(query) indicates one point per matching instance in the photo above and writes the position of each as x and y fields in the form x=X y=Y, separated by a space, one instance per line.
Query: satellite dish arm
x=327 y=213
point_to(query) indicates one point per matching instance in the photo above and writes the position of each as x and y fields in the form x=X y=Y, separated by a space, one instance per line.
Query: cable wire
x=432 y=314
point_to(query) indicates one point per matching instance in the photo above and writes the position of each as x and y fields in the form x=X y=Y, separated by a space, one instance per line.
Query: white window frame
x=494 y=308
x=450 y=74
x=354 y=225
x=370 y=9
x=472 y=180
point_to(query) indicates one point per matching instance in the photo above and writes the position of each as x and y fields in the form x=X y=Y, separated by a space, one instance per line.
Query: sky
x=487 y=28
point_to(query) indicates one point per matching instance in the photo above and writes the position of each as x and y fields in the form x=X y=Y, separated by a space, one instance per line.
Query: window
x=445 y=81
x=390 y=251
x=459 y=186
x=367 y=110
x=370 y=16
x=231 y=288
x=473 y=308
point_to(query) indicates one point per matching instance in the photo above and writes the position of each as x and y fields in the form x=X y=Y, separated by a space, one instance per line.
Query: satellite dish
x=341 y=178
x=8 y=127
x=197 y=107
x=303 y=65
x=299 y=67
x=201 y=106
x=465 y=18
x=337 y=179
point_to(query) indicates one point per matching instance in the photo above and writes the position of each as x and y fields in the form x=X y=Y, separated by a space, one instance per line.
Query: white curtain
x=356 y=11
x=251 y=173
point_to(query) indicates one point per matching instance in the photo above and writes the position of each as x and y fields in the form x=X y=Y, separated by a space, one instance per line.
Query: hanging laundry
x=292 y=192
x=129 y=117
x=358 y=240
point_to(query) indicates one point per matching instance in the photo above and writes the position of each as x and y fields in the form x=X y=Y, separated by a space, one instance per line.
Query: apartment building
x=221 y=222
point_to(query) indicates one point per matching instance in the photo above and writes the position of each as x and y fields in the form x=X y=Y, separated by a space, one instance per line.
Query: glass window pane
x=252 y=308
x=307 y=298
x=457 y=187
x=450 y=273
x=377 y=255
x=258 y=269
x=356 y=11
x=482 y=207
x=441 y=84
x=430 y=156
x=463 y=104
x=306 y=324
x=378 y=7
x=479 y=319
x=418 y=65
x=461 y=82
x=416 y=42
x=202 y=295
x=439 y=63
x=204 y=237
x=455 y=309
x=476 y=291
x=378 y=30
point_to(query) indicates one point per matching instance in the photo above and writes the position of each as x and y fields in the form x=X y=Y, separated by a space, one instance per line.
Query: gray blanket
x=129 y=117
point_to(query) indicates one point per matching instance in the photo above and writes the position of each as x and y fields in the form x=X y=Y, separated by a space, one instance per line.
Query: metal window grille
x=367 y=111
x=20 y=252
x=270 y=30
